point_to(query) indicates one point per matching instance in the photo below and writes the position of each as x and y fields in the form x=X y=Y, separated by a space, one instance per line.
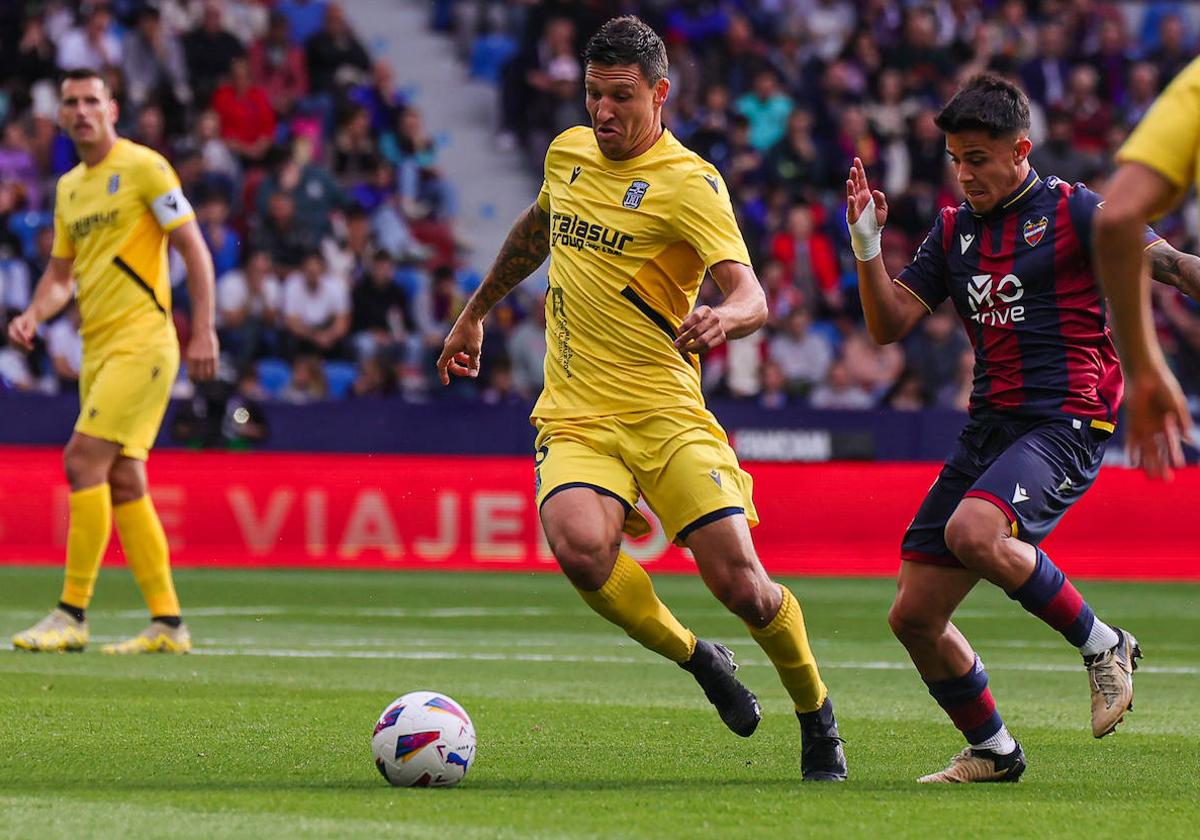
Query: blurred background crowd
x=340 y=264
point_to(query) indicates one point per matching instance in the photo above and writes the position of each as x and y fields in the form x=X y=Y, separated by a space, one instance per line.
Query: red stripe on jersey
x=949 y=218
x=1094 y=383
x=998 y=344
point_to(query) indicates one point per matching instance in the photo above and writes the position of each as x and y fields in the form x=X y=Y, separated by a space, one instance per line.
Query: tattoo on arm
x=526 y=248
x=1164 y=264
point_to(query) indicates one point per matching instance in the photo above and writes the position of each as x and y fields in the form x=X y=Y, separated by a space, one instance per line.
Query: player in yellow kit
x=114 y=215
x=633 y=220
x=1156 y=168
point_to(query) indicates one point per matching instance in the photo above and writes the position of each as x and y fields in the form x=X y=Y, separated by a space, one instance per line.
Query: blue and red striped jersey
x=1022 y=282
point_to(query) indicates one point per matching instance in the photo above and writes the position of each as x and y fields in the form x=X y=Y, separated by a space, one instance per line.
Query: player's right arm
x=890 y=310
x=54 y=291
x=525 y=248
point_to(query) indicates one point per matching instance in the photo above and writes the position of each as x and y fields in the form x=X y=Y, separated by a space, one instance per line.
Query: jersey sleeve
x=925 y=276
x=1168 y=138
x=159 y=188
x=63 y=248
x=705 y=218
x=1083 y=205
x=543 y=198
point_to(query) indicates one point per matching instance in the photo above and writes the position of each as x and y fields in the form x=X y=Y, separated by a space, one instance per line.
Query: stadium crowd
x=332 y=228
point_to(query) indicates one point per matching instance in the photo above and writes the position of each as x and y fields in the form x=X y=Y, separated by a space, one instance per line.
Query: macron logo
x=1019 y=495
x=964 y=241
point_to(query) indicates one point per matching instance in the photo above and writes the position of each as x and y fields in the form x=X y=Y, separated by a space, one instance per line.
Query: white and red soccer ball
x=424 y=739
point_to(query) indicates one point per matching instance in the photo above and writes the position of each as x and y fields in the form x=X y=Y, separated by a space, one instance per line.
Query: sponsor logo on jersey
x=635 y=194
x=570 y=231
x=114 y=183
x=1035 y=230
x=992 y=300
x=84 y=225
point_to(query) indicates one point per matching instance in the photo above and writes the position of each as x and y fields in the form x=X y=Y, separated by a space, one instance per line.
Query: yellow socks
x=145 y=546
x=627 y=599
x=87 y=538
x=785 y=642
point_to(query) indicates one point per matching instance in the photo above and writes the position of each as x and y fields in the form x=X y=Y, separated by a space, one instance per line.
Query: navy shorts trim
x=707 y=519
x=603 y=491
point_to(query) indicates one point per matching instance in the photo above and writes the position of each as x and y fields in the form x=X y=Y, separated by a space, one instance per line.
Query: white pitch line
x=360 y=612
x=434 y=655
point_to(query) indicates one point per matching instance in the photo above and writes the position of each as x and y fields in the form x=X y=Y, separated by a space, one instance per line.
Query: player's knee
x=585 y=555
x=749 y=598
x=82 y=468
x=972 y=541
x=911 y=623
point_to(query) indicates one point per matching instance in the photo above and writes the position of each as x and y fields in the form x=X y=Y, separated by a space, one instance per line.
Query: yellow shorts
x=678 y=459
x=123 y=395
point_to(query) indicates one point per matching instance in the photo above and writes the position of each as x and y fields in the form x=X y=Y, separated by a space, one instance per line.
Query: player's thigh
x=925 y=539
x=580 y=486
x=126 y=397
x=1036 y=479
x=927 y=596
x=687 y=471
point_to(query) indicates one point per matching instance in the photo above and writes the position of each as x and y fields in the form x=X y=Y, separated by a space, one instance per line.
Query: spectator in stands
x=92 y=44
x=437 y=311
x=247 y=118
x=223 y=241
x=1111 y=59
x=17 y=164
x=155 y=70
x=381 y=98
x=871 y=366
x=218 y=159
x=65 y=347
x=316 y=310
x=248 y=303
x=333 y=52
x=1172 y=53
x=774 y=393
x=1058 y=155
x=350 y=256
x=809 y=262
x=955 y=393
x=541 y=93
x=1140 y=93
x=151 y=130
x=907 y=394
x=382 y=319
x=527 y=350
x=501 y=388
x=34 y=60
x=1091 y=116
x=308 y=383
x=281 y=235
x=933 y=349
x=311 y=186
x=376 y=378
x=1181 y=318
x=210 y=50
x=355 y=155
x=767 y=108
x=278 y=64
x=1045 y=76
x=804 y=356
x=840 y=391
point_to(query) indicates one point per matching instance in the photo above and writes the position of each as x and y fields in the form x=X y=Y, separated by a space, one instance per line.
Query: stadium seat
x=489 y=55
x=339 y=376
x=274 y=375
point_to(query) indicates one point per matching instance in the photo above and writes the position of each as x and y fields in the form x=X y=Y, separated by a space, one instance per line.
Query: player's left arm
x=1174 y=268
x=1157 y=413
x=202 y=348
x=743 y=310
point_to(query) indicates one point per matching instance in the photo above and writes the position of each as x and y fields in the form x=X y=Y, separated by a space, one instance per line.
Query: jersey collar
x=640 y=160
x=1019 y=197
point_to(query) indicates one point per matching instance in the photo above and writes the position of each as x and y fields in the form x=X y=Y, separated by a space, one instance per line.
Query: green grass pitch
x=264 y=731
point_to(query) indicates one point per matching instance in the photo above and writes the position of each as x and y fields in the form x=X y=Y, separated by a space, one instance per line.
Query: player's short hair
x=82 y=73
x=987 y=102
x=628 y=40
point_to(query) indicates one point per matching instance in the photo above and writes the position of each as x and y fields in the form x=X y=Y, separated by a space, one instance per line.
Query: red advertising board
x=429 y=512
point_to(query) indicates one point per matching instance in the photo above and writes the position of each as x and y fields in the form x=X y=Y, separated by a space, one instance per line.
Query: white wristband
x=865 y=234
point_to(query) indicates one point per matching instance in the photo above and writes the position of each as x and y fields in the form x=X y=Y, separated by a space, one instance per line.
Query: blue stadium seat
x=339 y=376
x=274 y=375
x=25 y=227
x=489 y=55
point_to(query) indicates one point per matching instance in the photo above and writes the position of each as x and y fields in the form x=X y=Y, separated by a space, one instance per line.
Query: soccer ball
x=423 y=739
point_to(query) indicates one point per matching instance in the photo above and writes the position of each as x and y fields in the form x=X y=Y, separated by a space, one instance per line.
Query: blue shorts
x=1032 y=470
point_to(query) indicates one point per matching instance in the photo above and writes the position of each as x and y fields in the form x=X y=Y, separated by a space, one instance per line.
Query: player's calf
x=992 y=754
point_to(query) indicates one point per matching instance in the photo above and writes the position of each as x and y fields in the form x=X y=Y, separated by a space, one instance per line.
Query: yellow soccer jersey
x=112 y=219
x=1168 y=138
x=629 y=244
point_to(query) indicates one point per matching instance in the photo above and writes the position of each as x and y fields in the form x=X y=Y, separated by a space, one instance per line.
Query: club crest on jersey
x=635 y=194
x=1034 y=230
x=114 y=182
